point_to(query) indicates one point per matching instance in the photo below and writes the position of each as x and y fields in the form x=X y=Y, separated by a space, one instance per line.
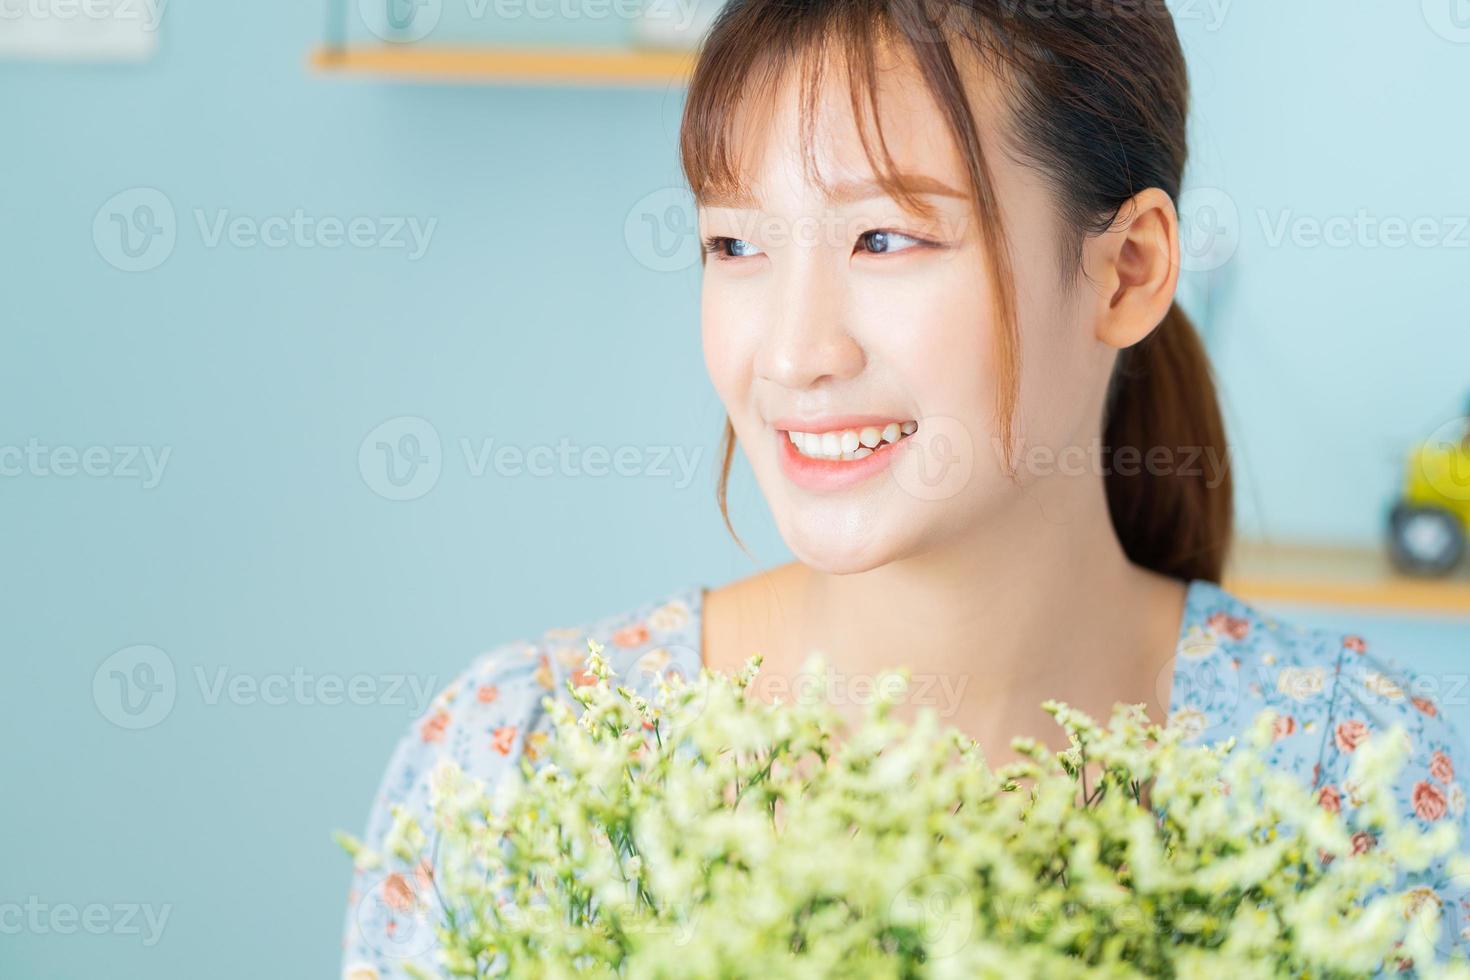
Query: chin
x=838 y=538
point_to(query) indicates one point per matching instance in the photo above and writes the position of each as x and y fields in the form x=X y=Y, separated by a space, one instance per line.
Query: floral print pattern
x=1330 y=692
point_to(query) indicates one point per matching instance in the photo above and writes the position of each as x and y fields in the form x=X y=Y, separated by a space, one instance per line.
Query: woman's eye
x=886 y=242
x=730 y=248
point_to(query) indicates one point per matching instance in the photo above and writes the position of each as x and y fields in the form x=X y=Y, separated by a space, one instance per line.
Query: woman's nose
x=807 y=340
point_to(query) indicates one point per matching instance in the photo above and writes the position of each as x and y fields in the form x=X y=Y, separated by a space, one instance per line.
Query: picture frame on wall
x=80 y=30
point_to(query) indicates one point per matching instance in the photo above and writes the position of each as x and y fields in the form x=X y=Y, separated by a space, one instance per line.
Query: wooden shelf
x=1357 y=578
x=544 y=66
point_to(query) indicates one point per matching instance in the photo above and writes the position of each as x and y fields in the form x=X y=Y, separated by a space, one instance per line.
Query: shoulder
x=660 y=636
x=1330 y=690
x=485 y=720
x=1235 y=661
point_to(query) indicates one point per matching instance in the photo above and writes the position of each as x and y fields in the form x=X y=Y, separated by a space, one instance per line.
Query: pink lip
x=830 y=475
x=831 y=423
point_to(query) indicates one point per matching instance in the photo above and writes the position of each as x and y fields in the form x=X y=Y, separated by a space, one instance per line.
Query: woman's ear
x=1135 y=267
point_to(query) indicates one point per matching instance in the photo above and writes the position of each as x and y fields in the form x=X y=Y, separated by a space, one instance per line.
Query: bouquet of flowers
x=708 y=834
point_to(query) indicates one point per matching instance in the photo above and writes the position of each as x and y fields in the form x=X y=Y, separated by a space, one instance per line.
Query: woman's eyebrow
x=849 y=192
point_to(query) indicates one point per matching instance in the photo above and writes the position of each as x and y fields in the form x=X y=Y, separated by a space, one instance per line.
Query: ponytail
x=1162 y=404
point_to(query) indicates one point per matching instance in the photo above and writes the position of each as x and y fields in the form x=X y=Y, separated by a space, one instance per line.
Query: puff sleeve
x=485 y=719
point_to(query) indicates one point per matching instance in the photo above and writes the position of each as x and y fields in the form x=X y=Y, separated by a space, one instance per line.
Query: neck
x=1039 y=603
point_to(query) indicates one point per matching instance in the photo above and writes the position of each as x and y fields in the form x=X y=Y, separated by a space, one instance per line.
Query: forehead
x=804 y=141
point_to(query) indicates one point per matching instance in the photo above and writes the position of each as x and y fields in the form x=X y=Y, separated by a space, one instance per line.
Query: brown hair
x=1100 y=96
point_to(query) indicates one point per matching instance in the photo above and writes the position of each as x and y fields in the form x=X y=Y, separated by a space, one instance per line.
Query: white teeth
x=849 y=444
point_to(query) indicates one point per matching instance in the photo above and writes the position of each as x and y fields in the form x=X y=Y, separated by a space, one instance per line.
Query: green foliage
x=707 y=834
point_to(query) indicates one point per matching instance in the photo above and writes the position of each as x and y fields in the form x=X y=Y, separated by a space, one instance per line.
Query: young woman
x=938 y=305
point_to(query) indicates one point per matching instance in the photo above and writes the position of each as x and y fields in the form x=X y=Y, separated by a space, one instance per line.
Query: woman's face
x=853 y=343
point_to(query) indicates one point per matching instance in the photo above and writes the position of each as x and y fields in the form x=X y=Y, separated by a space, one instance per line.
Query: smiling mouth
x=849 y=445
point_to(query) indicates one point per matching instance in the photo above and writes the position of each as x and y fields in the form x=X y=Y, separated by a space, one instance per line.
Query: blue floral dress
x=1330 y=693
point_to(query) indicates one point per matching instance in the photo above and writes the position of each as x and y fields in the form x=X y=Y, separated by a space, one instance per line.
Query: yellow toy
x=1429 y=525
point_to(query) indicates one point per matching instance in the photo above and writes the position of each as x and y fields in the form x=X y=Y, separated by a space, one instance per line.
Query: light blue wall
x=1335 y=359
x=263 y=551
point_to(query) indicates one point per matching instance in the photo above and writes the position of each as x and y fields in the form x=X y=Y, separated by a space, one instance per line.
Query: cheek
x=727 y=338
x=933 y=330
